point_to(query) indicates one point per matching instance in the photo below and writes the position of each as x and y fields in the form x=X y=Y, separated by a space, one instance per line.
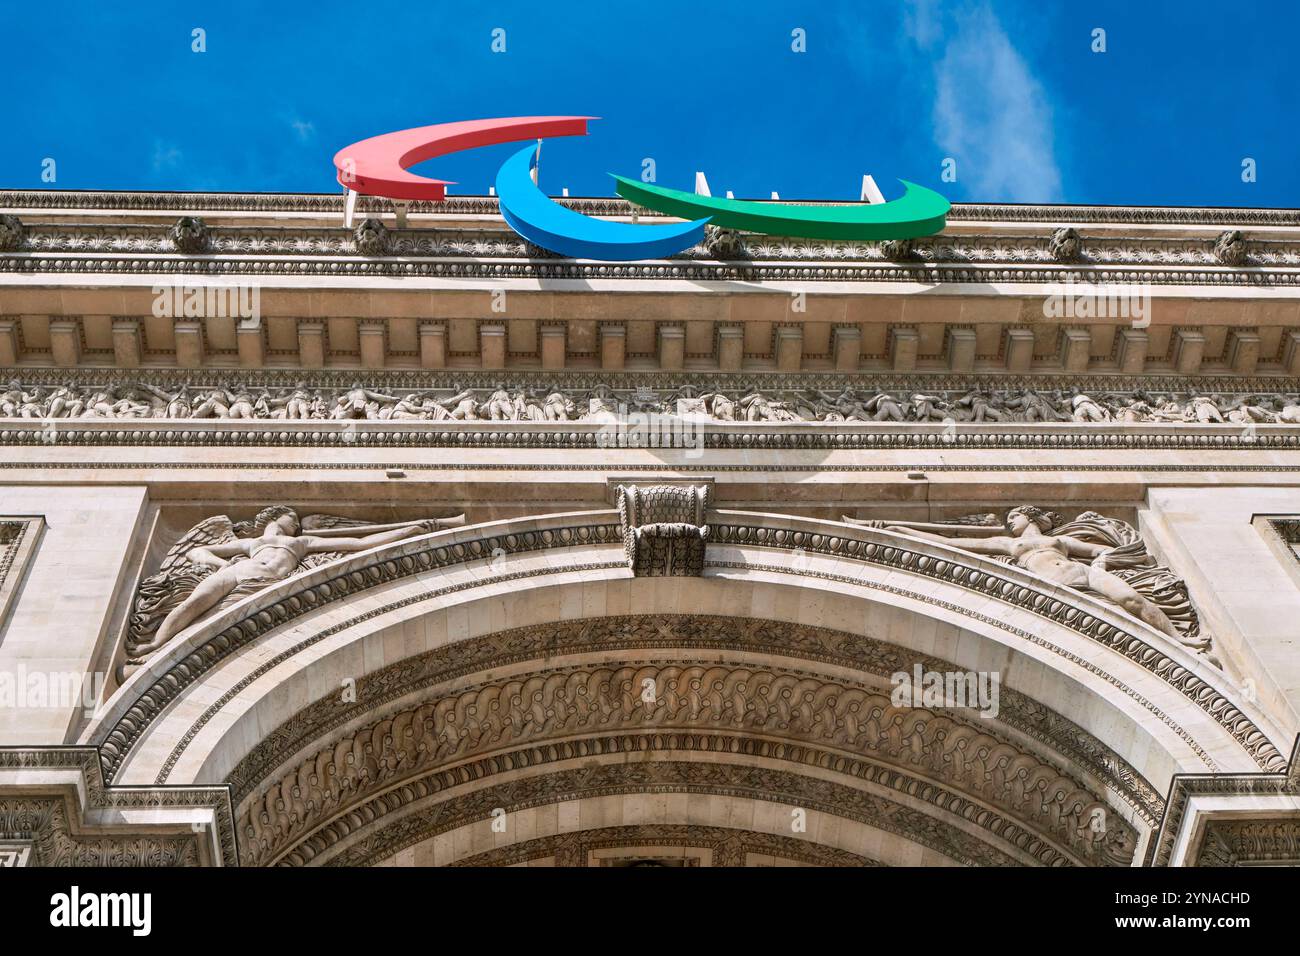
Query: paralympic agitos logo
x=379 y=167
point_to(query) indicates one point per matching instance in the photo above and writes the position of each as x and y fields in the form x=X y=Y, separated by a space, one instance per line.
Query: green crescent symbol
x=918 y=212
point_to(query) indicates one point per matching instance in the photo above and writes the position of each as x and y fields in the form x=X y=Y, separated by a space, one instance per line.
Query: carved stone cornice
x=727 y=847
x=1186 y=787
x=835 y=268
x=52 y=839
x=1250 y=843
x=712 y=775
x=471 y=249
x=655 y=385
x=332 y=204
x=64 y=811
x=571 y=435
x=1061 y=251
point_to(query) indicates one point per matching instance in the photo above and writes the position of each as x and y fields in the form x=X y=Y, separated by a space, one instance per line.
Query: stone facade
x=406 y=545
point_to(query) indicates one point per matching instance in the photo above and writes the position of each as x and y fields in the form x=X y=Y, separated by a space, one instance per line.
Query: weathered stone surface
x=744 y=540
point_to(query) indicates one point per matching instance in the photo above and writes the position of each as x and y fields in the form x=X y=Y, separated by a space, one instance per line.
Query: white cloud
x=990 y=113
x=921 y=21
x=165 y=156
x=304 y=129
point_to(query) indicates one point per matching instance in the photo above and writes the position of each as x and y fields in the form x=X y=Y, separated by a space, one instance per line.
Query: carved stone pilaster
x=664 y=528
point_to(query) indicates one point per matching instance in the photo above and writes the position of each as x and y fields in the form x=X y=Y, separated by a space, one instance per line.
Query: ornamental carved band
x=59 y=404
x=663 y=529
x=768 y=702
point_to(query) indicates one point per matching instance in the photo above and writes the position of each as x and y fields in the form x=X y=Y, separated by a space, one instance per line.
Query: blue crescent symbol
x=544 y=222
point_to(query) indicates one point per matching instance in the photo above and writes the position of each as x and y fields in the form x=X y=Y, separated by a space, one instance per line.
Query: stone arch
x=1099 y=713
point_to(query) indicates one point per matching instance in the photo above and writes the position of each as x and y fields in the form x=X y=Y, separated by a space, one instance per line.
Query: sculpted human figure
x=756 y=407
x=600 y=401
x=277 y=406
x=360 y=402
x=1053 y=557
x=1137 y=409
x=141 y=393
x=461 y=407
x=1034 y=407
x=262 y=408
x=528 y=407
x=1290 y=411
x=1170 y=410
x=929 y=407
x=66 y=401
x=808 y=408
x=413 y=406
x=215 y=403
x=975 y=406
x=1085 y=409
x=178 y=405
x=296 y=405
x=33 y=405
x=884 y=407
x=242 y=403
x=12 y=399
x=719 y=406
x=1246 y=410
x=119 y=400
x=843 y=407
x=132 y=404
x=108 y=403
x=99 y=404
x=500 y=406
x=558 y=407
x=1204 y=410
x=261 y=561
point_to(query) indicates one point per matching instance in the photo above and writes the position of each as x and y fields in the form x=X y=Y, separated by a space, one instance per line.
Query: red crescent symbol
x=377 y=166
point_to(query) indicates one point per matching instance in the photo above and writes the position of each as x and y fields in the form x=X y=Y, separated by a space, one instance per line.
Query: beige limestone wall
x=65 y=605
x=743 y=814
x=1248 y=598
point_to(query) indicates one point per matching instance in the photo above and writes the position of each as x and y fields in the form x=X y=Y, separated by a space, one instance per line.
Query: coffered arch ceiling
x=390 y=703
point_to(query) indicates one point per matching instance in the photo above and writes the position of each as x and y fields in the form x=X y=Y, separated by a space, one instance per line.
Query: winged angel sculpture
x=219 y=561
x=1103 y=556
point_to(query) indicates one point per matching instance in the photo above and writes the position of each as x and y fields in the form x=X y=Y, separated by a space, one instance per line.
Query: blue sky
x=1011 y=91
